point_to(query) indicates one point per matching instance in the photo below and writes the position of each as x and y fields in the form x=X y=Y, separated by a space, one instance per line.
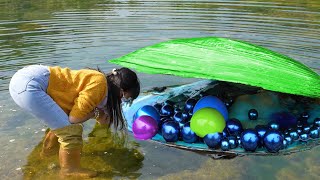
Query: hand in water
x=103 y=117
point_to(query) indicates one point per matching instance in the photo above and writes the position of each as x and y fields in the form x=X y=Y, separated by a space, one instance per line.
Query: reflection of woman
x=63 y=98
x=108 y=151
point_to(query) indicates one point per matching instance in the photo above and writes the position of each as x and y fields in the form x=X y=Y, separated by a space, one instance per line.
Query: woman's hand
x=100 y=116
x=103 y=117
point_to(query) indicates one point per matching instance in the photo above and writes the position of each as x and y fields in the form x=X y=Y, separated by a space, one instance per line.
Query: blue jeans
x=28 y=88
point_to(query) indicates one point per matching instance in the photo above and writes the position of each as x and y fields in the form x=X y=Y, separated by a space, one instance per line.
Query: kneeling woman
x=63 y=99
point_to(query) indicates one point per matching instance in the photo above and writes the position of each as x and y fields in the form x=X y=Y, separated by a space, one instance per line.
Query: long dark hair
x=118 y=79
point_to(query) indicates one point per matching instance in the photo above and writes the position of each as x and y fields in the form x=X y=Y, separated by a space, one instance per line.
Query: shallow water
x=88 y=33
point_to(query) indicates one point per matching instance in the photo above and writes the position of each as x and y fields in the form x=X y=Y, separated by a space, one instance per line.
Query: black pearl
x=314 y=132
x=304 y=116
x=294 y=135
x=304 y=136
x=288 y=139
x=233 y=142
x=306 y=129
x=167 y=110
x=300 y=123
x=228 y=102
x=317 y=122
x=253 y=114
x=299 y=130
x=274 y=125
x=189 y=105
x=225 y=145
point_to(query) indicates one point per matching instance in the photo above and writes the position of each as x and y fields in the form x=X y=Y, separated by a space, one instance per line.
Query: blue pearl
x=304 y=116
x=317 y=122
x=288 y=139
x=189 y=105
x=286 y=132
x=185 y=117
x=178 y=117
x=171 y=131
x=233 y=142
x=253 y=114
x=162 y=121
x=314 y=132
x=300 y=130
x=167 y=110
x=304 y=136
x=238 y=136
x=147 y=110
x=294 y=135
x=249 y=139
x=273 y=125
x=213 y=140
x=188 y=135
x=301 y=123
x=225 y=145
x=306 y=129
x=234 y=126
x=273 y=140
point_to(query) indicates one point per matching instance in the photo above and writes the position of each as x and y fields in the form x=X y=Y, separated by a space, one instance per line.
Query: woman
x=63 y=99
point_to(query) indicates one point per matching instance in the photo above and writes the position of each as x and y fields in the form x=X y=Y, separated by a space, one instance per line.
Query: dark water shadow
x=107 y=152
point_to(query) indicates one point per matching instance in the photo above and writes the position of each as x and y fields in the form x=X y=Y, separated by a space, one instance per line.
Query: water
x=78 y=34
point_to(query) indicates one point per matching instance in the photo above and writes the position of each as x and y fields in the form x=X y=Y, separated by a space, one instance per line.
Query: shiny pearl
x=225 y=145
x=253 y=114
x=314 y=132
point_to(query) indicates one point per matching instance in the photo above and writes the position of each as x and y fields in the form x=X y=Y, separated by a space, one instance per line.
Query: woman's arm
x=103 y=118
x=75 y=120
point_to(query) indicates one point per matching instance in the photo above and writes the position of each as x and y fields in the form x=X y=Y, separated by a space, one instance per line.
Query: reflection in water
x=107 y=152
x=304 y=165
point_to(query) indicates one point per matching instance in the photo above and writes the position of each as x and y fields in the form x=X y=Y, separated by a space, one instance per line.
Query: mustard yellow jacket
x=77 y=92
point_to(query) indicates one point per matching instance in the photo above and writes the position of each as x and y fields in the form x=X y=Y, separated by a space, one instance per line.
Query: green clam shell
x=225 y=60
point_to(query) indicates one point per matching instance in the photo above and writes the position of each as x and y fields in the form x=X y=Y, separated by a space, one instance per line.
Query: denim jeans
x=28 y=88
